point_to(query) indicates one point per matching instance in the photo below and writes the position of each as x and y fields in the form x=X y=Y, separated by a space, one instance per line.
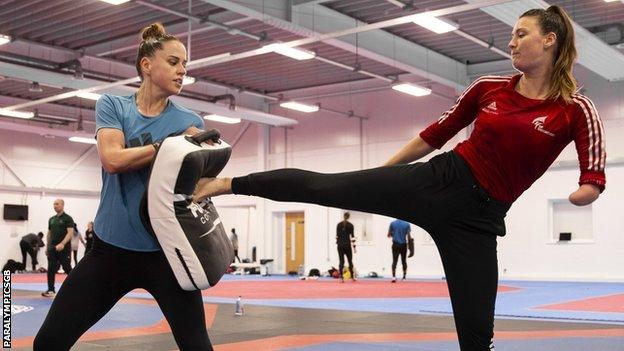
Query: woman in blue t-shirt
x=124 y=256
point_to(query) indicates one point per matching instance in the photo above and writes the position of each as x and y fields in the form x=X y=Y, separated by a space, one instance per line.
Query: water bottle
x=300 y=271
x=240 y=309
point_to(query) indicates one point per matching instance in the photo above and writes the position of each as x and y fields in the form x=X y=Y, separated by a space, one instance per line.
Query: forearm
x=584 y=195
x=414 y=150
x=66 y=239
x=127 y=159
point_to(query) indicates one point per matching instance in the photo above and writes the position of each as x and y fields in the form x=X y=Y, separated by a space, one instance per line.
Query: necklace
x=136 y=102
x=145 y=113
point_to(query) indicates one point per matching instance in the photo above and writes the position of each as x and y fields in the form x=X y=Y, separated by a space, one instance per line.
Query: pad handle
x=213 y=135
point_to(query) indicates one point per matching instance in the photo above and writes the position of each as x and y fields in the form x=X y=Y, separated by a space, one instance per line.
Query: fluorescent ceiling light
x=297 y=54
x=435 y=24
x=16 y=114
x=222 y=119
x=300 y=107
x=4 y=39
x=188 y=80
x=84 y=140
x=412 y=89
x=88 y=96
x=203 y=61
x=115 y=2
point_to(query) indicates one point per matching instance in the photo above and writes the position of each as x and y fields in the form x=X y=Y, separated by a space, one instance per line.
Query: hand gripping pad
x=191 y=234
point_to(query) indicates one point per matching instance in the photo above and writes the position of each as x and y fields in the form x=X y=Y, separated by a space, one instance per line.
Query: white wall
x=328 y=142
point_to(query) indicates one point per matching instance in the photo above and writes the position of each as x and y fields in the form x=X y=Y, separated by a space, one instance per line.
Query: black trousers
x=27 y=249
x=345 y=250
x=399 y=250
x=57 y=259
x=102 y=278
x=440 y=196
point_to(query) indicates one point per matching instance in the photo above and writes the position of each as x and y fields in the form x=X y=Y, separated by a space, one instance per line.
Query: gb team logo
x=538 y=123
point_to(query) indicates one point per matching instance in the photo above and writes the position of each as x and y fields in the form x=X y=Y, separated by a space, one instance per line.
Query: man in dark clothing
x=60 y=231
x=345 y=239
x=234 y=240
x=30 y=244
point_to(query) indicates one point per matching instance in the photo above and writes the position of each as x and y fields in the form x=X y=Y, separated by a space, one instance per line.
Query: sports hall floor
x=284 y=313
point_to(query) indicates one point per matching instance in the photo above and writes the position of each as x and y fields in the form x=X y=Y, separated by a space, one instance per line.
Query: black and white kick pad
x=191 y=234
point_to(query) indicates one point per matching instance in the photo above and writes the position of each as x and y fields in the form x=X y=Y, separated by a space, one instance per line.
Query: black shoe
x=48 y=293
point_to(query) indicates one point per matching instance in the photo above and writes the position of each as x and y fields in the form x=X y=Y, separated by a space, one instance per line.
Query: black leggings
x=440 y=196
x=345 y=250
x=399 y=249
x=102 y=278
x=75 y=256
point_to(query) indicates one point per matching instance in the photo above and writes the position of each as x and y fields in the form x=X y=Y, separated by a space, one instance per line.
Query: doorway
x=294 y=241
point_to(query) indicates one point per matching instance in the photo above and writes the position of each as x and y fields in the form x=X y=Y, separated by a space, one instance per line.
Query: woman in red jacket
x=521 y=124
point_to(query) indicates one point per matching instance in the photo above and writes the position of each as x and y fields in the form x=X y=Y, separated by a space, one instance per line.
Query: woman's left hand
x=192 y=130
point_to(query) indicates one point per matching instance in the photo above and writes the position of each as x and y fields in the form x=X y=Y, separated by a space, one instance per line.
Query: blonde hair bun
x=155 y=30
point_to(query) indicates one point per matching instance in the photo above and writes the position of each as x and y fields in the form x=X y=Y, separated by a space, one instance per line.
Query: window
x=567 y=218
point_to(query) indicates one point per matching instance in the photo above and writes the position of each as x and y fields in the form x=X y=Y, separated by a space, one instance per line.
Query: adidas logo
x=491 y=108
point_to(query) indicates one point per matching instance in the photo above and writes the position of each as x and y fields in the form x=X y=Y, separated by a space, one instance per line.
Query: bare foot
x=209 y=187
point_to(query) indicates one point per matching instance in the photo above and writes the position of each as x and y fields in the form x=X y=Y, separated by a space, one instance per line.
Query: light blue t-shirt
x=118 y=221
x=399 y=230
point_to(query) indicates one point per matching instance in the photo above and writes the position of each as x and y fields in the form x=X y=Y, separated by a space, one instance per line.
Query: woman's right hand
x=209 y=187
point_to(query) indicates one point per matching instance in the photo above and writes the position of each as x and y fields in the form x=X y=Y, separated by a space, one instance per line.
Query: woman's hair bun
x=155 y=30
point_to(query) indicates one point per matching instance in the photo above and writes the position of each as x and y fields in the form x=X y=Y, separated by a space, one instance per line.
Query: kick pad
x=191 y=234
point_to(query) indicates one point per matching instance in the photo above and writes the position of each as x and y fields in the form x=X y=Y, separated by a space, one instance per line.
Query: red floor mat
x=611 y=303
